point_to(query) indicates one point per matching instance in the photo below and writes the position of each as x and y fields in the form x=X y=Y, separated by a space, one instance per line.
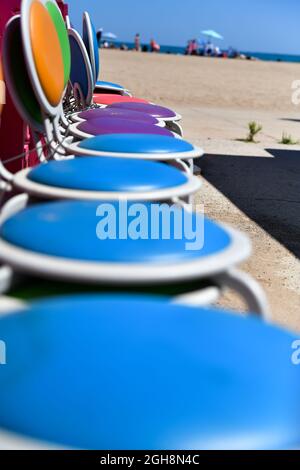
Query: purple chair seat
x=153 y=110
x=117 y=113
x=102 y=126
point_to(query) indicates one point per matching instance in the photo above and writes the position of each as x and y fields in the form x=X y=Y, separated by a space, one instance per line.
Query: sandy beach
x=254 y=187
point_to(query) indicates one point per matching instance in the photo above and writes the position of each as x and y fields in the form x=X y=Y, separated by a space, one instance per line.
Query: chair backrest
x=17 y=78
x=61 y=30
x=90 y=41
x=81 y=76
x=43 y=54
x=54 y=56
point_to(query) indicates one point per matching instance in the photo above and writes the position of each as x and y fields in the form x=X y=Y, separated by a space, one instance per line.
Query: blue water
x=274 y=57
x=259 y=55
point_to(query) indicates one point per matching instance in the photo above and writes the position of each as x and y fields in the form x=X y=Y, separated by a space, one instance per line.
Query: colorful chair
x=69 y=179
x=82 y=178
x=2 y=88
x=93 y=55
x=82 y=75
x=57 y=18
x=135 y=373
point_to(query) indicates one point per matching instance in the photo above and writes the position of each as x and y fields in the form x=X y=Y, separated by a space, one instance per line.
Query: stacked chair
x=100 y=122
x=115 y=103
x=110 y=178
x=167 y=182
x=131 y=355
x=115 y=95
x=152 y=142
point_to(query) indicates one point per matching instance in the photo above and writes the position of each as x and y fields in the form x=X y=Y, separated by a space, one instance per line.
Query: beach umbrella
x=109 y=36
x=212 y=34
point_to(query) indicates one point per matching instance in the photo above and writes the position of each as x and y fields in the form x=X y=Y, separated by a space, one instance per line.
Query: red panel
x=12 y=130
x=63 y=8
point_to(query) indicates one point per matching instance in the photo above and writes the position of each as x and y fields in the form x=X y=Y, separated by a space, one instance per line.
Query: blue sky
x=250 y=25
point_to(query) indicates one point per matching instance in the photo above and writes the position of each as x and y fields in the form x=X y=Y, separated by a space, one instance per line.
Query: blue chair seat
x=136 y=143
x=68 y=230
x=108 y=174
x=110 y=373
x=101 y=84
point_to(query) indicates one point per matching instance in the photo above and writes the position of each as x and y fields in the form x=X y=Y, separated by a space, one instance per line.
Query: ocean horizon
x=266 y=56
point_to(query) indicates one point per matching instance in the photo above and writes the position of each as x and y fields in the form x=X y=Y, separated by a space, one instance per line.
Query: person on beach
x=209 y=47
x=154 y=47
x=137 y=42
x=192 y=47
x=188 y=49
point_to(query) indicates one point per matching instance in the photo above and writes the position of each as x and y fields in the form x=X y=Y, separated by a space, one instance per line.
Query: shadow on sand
x=290 y=119
x=266 y=189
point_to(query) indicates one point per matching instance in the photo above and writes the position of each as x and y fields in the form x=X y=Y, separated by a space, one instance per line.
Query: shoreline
x=244 y=55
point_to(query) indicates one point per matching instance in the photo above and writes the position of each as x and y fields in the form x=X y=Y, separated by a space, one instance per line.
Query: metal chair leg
x=249 y=289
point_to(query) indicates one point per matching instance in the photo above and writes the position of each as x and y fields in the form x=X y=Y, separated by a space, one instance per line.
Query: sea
x=258 y=55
